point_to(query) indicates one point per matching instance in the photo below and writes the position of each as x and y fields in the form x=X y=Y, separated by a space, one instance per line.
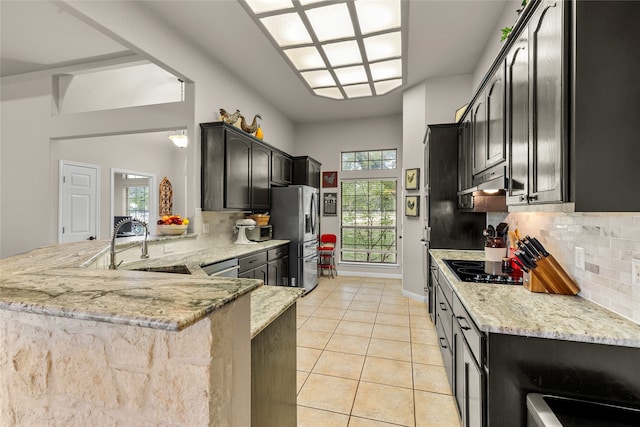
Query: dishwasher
x=228 y=268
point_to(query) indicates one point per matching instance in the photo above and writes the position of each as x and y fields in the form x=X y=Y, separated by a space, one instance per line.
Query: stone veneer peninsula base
x=71 y=372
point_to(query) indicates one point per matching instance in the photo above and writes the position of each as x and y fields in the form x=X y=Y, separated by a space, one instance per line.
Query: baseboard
x=414 y=296
x=365 y=274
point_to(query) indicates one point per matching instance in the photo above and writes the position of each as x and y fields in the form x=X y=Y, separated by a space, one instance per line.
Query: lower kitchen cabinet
x=273 y=373
x=272 y=266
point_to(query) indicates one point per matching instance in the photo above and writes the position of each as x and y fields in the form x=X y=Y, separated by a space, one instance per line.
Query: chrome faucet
x=116 y=228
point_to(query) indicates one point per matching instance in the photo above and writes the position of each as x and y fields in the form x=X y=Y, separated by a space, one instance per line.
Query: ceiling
x=445 y=38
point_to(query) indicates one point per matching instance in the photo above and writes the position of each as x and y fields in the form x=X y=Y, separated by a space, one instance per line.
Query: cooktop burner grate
x=483 y=272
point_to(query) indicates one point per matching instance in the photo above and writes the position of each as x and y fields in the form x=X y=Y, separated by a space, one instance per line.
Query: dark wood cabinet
x=306 y=171
x=278 y=266
x=465 y=164
x=517 y=84
x=281 y=168
x=495 y=149
x=548 y=141
x=235 y=171
x=260 y=176
x=479 y=136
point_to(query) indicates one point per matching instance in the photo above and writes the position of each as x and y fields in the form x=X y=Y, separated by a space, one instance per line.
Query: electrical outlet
x=205 y=228
x=168 y=249
x=580 y=258
x=635 y=271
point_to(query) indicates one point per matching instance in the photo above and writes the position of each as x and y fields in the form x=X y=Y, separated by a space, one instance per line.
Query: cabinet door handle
x=466 y=327
x=532 y=198
x=441 y=342
x=443 y=306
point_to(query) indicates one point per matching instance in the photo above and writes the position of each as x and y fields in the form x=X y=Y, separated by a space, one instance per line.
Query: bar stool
x=326 y=255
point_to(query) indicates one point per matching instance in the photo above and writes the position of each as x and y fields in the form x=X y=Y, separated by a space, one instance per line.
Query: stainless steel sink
x=178 y=269
x=555 y=411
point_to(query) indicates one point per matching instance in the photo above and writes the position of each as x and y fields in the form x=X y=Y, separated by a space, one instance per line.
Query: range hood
x=492 y=179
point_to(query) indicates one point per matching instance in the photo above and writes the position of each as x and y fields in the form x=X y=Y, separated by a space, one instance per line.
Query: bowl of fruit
x=172 y=225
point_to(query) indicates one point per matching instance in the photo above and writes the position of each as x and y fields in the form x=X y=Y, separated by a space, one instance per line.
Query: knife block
x=549 y=277
x=532 y=283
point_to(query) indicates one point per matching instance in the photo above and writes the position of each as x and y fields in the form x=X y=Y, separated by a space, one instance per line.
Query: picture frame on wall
x=412 y=206
x=412 y=179
x=330 y=204
x=329 y=179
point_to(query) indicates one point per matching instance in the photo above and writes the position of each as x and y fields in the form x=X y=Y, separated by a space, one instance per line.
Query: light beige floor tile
x=305 y=310
x=371 y=288
x=435 y=410
x=426 y=354
x=343 y=365
x=328 y=393
x=300 y=320
x=421 y=322
x=390 y=332
x=360 y=316
x=312 y=339
x=388 y=349
x=310 y=417
x=329 y=313
x=367 y=297
x=341 y=295
x=374 y=282
x=336 y=303
x=397 y=300
x=321 y=325
x=384 y=403
x=301 y=377
x=392 y=319
x=307 y=358
x=348 y=344
x=364 y=422
x=348 y=288
x=386 y=307
x=424 y=336
x=430 y=378
x=364 y=306
x=387 y=371
x=359 y=329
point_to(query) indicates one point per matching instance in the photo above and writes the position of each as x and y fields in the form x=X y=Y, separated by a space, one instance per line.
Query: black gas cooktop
x=484 y=272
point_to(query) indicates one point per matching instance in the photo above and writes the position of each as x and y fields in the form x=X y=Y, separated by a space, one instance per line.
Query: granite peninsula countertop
x=512 y=310
x=51 y=281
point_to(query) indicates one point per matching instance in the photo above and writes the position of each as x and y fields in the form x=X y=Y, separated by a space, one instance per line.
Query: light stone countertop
x=512 y=310
x=268 y=303
x=50 y=281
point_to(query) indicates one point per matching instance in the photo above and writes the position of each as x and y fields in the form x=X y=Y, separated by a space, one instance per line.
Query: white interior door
x=79 y=187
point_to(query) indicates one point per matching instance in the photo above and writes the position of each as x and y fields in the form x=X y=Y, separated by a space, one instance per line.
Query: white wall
x=28 y=126
x=325 y=141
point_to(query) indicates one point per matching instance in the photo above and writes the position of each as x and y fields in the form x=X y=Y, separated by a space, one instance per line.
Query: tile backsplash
x=611 y=242
x=220 y=226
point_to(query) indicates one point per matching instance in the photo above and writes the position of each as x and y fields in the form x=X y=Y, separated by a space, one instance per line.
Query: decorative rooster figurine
x=229 y=118
x=250 y=128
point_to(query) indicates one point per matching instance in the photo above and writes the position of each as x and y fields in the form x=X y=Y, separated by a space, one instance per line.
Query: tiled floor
x=368 y=356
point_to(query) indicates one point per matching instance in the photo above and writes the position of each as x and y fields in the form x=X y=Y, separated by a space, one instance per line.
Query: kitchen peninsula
x=83 y=346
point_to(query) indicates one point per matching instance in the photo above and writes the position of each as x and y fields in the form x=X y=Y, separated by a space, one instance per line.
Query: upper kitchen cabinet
x=260 y=176
x=465 y=165
x=235 y=171
x=306 y=171
x=572 y=97
x=488 y=124
x=517 y=89
x=281 y=169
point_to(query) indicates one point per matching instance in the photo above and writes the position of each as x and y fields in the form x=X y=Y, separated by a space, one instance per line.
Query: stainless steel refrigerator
x=445 y=226
x=295 y=217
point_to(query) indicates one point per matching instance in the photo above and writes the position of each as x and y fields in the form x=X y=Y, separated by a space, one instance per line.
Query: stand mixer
x=242 y=225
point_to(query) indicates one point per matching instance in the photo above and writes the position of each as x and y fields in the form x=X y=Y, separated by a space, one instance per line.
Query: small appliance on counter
x=260 y=233
x=242 y=225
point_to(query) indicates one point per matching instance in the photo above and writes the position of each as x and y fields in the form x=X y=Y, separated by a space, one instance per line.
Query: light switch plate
x=635 y=271
x=580 y=261
x=168 y=249
x=205 y=228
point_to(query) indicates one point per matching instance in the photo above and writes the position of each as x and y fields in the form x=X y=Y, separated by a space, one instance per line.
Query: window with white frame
x=369 y=160
x=368 y=231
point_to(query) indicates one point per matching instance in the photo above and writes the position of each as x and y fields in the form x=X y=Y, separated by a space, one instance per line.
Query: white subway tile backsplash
x=610 y=241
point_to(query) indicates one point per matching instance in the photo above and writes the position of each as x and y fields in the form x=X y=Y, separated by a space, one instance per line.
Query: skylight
x=341 y=49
